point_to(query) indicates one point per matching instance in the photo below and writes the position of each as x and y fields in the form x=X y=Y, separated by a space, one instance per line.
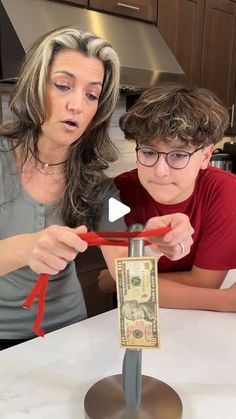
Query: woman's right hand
x=49 y=251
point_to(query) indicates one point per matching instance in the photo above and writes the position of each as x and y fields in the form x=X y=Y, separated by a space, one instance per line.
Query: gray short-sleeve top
x=20 y=214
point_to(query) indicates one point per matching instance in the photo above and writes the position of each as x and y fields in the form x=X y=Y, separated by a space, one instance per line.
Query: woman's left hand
x=176 y=243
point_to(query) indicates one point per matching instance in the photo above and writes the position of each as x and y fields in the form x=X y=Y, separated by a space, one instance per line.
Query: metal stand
x=105 y=400
x=131 y=395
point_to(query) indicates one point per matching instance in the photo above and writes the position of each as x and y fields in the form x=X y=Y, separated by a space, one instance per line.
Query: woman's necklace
x=44 y=171
x=44 y=166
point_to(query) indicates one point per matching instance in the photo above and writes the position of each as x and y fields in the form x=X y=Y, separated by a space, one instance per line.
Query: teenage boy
x=175 y=129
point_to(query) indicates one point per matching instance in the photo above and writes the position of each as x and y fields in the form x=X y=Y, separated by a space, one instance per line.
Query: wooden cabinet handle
x=232 y=116
x=128 y=6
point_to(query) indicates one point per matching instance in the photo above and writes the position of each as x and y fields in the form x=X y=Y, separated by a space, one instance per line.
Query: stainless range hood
x=145 y=58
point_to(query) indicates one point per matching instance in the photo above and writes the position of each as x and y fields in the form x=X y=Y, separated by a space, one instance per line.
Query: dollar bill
x=138 y=307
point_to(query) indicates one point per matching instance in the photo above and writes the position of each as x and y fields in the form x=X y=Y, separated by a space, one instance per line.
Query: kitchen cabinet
x=202 y=36
x=88 y=266
x=219 y=52
x=79 y=2
x=232 y=125
x=180 y=22
x=139 y=9
x=1 y=110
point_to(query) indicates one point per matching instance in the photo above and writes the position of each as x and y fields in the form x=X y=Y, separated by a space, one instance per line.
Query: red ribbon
x=101 y=238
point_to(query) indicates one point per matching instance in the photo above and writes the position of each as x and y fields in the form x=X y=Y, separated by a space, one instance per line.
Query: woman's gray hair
x=177 y=115
x=91 y=154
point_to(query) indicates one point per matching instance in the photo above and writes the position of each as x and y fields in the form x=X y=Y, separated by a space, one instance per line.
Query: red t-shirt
x=212 y=212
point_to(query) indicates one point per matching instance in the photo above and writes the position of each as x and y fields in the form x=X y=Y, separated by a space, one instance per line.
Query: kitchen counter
x=50 y=376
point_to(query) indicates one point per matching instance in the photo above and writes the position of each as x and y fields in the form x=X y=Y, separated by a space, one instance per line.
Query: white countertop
x=49 y=377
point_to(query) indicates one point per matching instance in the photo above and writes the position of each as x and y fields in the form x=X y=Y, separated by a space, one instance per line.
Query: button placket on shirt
x=40 y=217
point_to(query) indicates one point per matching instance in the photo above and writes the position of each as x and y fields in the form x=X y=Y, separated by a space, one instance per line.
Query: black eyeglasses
x=176 y=159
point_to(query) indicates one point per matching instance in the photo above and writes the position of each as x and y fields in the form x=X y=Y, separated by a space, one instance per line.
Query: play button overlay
x=116 y=209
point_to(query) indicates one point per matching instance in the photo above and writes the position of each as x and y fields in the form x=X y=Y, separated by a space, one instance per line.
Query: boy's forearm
x=197 y=277
x=176 y=295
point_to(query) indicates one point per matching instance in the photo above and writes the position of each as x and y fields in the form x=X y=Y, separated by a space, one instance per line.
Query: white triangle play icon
x=116 y=209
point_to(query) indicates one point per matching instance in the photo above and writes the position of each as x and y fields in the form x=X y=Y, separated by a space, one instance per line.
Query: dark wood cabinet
x=181 y=24
x=232 y=111
x=233 y=114
x=219 y=51
x=1 y=108
x=139 y=9
x=88 y=266
x=202 y=36
x=79 y=2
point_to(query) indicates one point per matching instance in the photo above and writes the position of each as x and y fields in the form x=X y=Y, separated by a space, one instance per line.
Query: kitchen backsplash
x=6 y=114
x=115 y=132
x=126 y=153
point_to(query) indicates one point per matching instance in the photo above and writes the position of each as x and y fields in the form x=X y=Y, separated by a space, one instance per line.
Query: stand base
x=104 y=400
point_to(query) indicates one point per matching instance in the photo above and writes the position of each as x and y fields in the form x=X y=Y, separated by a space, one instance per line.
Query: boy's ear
x=206 y=156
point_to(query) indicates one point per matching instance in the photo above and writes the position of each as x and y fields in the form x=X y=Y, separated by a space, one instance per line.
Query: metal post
x=132 y=363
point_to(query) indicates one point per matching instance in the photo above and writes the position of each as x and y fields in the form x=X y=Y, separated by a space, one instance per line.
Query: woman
x=52 y=158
